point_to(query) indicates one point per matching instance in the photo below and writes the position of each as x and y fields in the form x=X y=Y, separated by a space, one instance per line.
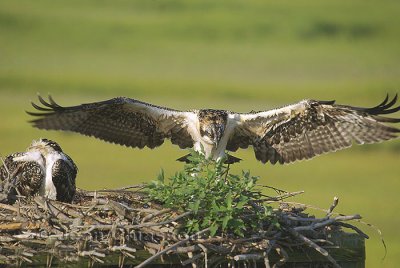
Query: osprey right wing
x=120 y=120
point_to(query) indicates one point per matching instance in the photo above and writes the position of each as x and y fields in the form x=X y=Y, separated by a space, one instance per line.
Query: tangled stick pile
x=126 y=226
x=119 y=222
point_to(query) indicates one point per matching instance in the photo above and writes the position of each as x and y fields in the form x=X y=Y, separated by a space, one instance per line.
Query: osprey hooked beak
x=218 y=132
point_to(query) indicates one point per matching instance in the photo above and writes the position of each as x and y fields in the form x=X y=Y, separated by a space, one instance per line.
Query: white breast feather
x=30 y=157
x=48 y=188
x=232 y=122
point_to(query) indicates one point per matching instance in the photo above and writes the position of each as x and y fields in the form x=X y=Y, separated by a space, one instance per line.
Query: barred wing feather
x=119 y=120
x=309 y=128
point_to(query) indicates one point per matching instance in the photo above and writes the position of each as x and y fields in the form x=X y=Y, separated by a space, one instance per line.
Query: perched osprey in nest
x=43 y=169
x=294 y=132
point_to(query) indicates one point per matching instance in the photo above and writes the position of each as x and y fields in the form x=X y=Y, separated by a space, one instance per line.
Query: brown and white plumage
x=310 y=128
x=43 y=169
x=295 y=132
x=120 y=120
x=27 y=178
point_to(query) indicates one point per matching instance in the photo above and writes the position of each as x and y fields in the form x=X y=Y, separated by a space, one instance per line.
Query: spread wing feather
x=120 y=120
x=310 y=128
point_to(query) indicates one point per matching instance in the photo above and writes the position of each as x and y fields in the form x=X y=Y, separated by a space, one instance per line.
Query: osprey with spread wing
x=294 y=132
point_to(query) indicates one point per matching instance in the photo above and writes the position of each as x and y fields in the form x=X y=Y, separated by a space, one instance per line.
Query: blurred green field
x=237 y=55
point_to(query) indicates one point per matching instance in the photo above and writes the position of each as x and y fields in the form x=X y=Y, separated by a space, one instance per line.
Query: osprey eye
x=206 y=132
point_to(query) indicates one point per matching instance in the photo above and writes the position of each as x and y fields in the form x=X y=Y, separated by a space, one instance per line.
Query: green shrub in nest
x=225 y=202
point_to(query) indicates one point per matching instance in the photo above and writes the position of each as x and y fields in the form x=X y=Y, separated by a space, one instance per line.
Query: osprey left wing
x=309 y=128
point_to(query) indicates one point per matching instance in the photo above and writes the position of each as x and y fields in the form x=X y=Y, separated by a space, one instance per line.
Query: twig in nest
x=266 y=261
x=66 y=208
x=177 y=244
x=205 y=251
x=5 y=166
x=278 y=191
x=310 y=243
x=323 y=241
x=333 y=206
x=158 y=213
x=379 y=233
x=94 y=255
x=284 y=256
x=307 y=206
x=42 y=202
x=281 y=197
x=193 y=259
x=246 y=257
x=123 y=189
x=11 y=226
x=125 y=250
x=327 y=222
x=137 y=226
x=187 y=213
x=343 y=224
x=8 y=207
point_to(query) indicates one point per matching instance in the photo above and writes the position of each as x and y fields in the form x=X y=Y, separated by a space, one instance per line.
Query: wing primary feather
x=37 y=114
x=386 y=119
x=390 y=104
x=45 y=103
x=382 y=108
x=37 y=107
x=390 y=111
x=327 y=102
x=383 y=102
x=376 y=109
x=53 y=103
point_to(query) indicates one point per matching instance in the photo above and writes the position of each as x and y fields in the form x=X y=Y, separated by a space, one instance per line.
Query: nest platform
x=118 y=228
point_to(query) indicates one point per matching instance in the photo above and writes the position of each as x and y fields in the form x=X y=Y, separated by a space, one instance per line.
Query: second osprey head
x=212 y=125
x=45 y=147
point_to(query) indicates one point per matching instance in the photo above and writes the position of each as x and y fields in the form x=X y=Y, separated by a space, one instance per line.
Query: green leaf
x=268 y=211
x=213 y=229
x=228 y=201
x=238 y=232
x=161 y=176
x=250 y=184
x=242 y=202
x=225 y=221
x=195 y=206
x=237 y=224
x=214 y=206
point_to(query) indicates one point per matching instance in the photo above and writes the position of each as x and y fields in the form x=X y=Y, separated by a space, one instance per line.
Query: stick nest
x=122 y=222
x=142 y=224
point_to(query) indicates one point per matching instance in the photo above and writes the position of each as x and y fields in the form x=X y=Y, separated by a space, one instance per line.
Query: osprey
x=43 y=169
x=294 y=132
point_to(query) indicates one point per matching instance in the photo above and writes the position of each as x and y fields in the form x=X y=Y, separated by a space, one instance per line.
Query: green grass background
x=237 y=55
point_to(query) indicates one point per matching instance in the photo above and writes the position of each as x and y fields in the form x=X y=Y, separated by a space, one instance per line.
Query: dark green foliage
x=220 y=200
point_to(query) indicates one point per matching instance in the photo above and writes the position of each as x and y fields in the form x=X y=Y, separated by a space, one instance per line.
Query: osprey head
x=45 y=146
x=212 y=125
